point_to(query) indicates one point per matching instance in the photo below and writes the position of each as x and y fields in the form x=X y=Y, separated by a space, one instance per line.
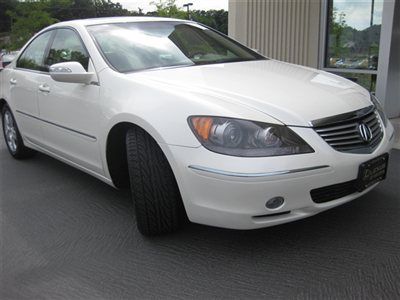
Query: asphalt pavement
x=66 y=235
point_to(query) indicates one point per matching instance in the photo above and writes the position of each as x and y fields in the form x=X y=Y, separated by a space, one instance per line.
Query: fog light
x=275 y=202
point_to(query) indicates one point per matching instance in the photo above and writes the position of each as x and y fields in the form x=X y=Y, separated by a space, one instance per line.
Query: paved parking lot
x=65 y=235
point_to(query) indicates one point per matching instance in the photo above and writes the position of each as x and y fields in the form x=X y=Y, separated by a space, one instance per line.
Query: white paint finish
x=160 y=101
x=396 y=125
x=24 y=94
x=229 y=202
x=74 y=106
x=292 y=94
x=71 y=72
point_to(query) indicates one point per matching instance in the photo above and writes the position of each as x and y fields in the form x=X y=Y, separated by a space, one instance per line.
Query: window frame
x=52 y=30
x=47 y=49
x=323 y=45
x=79 y=38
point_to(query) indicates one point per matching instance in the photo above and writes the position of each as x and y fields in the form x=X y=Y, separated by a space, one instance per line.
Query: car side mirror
x=72 y=72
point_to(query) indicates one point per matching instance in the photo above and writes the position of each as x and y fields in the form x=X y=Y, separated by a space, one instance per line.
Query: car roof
x=110 y=20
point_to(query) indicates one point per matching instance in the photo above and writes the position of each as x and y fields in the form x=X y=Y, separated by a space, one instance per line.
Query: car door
x=71 y=110
x=24 y=81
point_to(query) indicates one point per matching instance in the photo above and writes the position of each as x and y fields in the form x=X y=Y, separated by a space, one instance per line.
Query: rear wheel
x=12 y=136
x=158 y=204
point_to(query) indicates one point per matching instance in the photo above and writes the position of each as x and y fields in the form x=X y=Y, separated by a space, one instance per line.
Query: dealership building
x=359 y=40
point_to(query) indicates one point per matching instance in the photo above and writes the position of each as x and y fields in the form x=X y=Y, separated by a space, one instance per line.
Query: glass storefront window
x=354 y=28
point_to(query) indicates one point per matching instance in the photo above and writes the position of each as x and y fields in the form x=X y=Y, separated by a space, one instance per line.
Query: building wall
x=294 y=31
x=286 y=30
x=388 y=83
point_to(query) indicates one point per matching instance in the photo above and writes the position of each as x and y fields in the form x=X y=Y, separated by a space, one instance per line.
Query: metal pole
x=187 y=5
x=372 y=13
x=371 y=23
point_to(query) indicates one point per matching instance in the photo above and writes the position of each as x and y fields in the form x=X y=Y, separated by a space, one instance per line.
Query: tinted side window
x=67 y=46
x=32 y=58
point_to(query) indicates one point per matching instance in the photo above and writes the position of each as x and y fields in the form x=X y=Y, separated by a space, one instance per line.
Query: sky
x=197 y=4
x=358 y=12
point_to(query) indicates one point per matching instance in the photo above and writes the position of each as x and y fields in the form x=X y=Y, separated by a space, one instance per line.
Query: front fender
x=160 y=109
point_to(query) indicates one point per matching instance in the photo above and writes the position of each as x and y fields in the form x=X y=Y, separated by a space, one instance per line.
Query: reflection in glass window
x=353 y=34
x=33 y=55
x=67 y=47
x=137 y=46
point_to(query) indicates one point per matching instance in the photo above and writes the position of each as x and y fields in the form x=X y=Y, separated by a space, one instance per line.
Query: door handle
x=13 y=81
x=44 y=88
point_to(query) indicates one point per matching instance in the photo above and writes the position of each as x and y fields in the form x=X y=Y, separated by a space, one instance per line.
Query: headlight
x=246 y=138
x=379 y=108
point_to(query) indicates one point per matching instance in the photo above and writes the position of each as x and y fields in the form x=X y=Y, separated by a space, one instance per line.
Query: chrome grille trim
x=341 y=132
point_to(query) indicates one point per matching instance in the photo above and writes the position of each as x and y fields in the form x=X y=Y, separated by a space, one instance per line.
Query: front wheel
x=12 y=135
x=158 y=204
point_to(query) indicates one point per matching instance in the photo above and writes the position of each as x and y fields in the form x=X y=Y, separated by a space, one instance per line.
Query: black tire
x=19 y=151
x=155 y=193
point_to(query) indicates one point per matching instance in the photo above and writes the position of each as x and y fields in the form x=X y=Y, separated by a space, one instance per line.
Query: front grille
x=333 y=192
x=342 y=132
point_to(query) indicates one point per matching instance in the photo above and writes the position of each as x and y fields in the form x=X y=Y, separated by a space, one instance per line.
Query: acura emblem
x=365 y=132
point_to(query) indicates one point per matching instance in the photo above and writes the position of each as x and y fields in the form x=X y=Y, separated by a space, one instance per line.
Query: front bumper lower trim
x=255 y=175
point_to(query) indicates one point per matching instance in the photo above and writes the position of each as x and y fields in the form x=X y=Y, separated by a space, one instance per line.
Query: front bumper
x=231 y=192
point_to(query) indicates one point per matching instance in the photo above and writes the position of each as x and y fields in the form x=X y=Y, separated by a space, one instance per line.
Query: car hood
x=292 y=94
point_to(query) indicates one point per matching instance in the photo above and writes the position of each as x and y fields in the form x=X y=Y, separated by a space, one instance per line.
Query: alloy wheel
x=10 y=131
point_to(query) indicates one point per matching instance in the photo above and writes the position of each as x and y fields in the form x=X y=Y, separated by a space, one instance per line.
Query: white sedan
x=197 y=125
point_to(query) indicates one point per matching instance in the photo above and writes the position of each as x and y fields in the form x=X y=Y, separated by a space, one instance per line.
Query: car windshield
x=137 y=46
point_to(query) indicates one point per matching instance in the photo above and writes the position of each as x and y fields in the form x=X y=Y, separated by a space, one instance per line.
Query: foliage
x=107 y=8
x=349 y=47
x=168 y=8
x=337 y=26
x=217 y=19
x=5 y=21
x=24 y=18
x=27 y=18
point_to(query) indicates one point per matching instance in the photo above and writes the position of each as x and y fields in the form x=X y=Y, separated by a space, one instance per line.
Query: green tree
x=82 y=9
x=337 y=25
x=61 y=10
x=107 y=8
x=217 y=19
x=25 y=18
x=5 y=20
x=168 y=8
x=28 y=18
